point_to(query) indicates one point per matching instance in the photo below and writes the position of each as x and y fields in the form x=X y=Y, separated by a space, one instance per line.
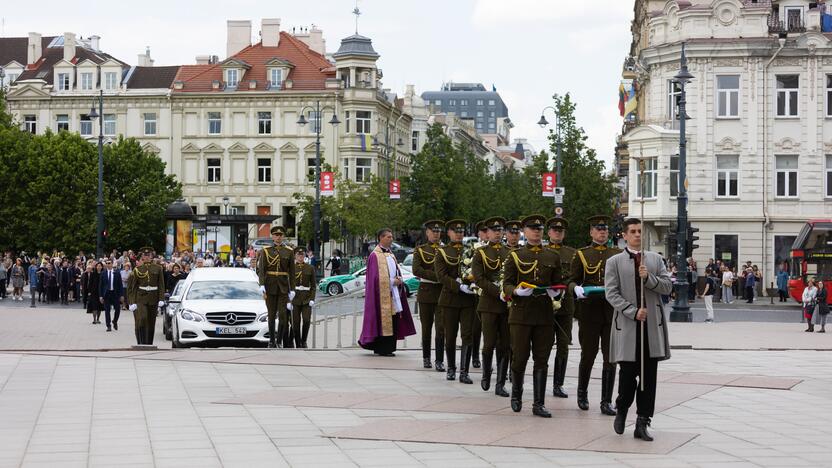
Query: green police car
x=340 y=284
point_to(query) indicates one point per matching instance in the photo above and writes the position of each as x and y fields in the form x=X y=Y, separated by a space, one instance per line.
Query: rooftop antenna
x=357 y=13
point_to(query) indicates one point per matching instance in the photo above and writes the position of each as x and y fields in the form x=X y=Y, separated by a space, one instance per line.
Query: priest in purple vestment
x=386 y=312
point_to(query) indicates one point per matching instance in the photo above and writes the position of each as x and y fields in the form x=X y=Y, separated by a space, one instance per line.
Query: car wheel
x=334 y=289
x=166 y=329
x=175 y=343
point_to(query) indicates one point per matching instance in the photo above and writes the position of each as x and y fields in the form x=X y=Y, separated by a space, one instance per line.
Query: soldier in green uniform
x=276 y=271
x=429 y=288
x=513 y=229
x=531 y=320
x=487 y=268
x=594 y=312
x=145 y=293
x=457 y=300
x=476 y=323
x=563 y=316
x=304 y=300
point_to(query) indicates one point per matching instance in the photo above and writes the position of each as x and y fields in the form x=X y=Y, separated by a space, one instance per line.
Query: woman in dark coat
x=174 y=277
x=51 y=281
x=93 y=296
x=823 y=306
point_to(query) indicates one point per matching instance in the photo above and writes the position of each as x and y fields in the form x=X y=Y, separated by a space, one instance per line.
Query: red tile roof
x=42 y=69
x=310 y=69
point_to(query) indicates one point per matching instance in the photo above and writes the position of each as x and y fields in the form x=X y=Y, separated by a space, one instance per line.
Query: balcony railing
x=790 y=25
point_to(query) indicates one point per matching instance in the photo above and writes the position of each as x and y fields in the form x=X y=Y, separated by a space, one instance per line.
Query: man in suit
x=639 y=322
x=65 y=281
x=110 y=290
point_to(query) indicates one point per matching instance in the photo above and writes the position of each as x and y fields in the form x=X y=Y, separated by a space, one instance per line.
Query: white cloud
x=491 y=12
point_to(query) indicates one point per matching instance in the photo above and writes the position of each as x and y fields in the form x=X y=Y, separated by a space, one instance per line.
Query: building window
x=275 y=78
x=782 y=250
x=463 y=102
x=110 y=81
x=727 y=176
x=346 y=173
x=452 y=102
x=314 y=119
x=828 y=176
x=214 y=172
x=63 y=81
x=491 y=102
x=414 y=142
x=728 y=95
x=479 y=125
x=463 y=114
x=674 y=175
x=479 y=102
x=310 y=168
x=648 y=188
x=363 y=166
x=214 y=123
x=30 y=123
x=11 y=78
x=232 y=77
x=86 y=125
x=264 y=170
x=347 y=121
x=674 y=94
x=363 y=122
x=63 y=122
x=438 y=102
x=726 y=248
x=150 y=123
x=480 y=114
x=786 y=173
x=264 y=123
x=492 y=114
x=829 y=95
x=492 y=125
x=86 y=81
x=787 y=86
x=109 y=124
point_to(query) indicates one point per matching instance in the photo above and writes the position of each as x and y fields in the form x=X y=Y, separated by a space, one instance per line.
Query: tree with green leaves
x=48 y=192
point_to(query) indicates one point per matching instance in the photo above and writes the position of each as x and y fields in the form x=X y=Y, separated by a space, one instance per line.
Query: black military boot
x=620 y=421
x=539 y=378
x=465 y=362
x=426 y=352
x=583 y=383
x=516 y=391
x=272 y=343
x=487 y=360
x=451 y=354
x=641 y=432
x=607 y=384
x=439 y=365
x=558 y=376
x=475 y=354
x=502 y=370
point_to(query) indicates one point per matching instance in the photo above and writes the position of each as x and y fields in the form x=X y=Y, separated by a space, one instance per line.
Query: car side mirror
x=175 y=300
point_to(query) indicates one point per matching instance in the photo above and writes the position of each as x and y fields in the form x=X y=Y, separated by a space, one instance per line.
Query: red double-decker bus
x=811 y=257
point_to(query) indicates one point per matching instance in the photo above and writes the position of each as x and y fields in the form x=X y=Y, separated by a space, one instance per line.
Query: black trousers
x=749 y=294
x=628 y=387
x=495 y=333
x=784 y=295
x=111 y=299
x=301 y=315
x=64 y=294
x=534 y=340
x=276 y=307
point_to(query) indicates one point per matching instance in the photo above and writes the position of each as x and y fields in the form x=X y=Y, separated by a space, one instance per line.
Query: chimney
x=95 y=42
x=314 y=38
x=144 y=59
x=238 y=36
x=270 y=32
x=203 y=59
x=410 y=90
x=69 y=46
x=35 y=49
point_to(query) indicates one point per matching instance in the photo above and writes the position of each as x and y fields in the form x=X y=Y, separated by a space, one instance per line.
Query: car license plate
x=231 y=331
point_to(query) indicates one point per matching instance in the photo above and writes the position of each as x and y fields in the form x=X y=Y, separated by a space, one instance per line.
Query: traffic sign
x=558 y=198
x=559 y=210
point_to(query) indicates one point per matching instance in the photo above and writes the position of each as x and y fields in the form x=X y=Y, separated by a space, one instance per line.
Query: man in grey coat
x=622 y=282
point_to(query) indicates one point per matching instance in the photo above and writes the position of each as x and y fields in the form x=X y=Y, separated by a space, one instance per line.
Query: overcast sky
x=528 y=49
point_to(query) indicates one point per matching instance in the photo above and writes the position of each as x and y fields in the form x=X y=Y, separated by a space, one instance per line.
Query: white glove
x=289 y=306
x=262 y=290
x=133 y=307
x=459 y=280
x=553 y=293
x=523 y=292
x=291 y=296
x=161 y=303
x=579 y=292
x=503 y=297
x=311 y=303
x=466 y=289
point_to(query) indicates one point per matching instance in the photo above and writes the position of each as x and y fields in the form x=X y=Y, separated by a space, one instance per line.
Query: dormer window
x=86 y=81
x=110 y=80
x=63 y=81
x=232 y=77
x=277 y=72
x=275 y=78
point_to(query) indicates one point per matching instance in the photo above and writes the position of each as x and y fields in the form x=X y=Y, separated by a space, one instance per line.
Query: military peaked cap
x=557 y=223
x=534 y=221
x=277 y=230
x=434 y=224
x=456 y=225
x=495 y=222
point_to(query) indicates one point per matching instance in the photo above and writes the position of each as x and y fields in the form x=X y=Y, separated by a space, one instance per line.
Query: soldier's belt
x=277 y=273
x=148 y=288
x=302 y=288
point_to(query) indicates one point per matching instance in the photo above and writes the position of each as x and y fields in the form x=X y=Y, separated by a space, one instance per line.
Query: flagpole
x=642 y=301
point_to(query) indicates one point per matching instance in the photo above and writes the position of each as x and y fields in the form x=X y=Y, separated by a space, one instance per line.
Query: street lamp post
x=225 y=201
x=543 y=124
x=681 y=308
x=99 y=244
x=316 y=210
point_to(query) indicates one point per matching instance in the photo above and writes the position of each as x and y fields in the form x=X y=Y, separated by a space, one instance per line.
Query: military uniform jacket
x=487 y=268
x=588 y=268
x=566 y=254
x=424 y=259
x=534 y=265
x=276 y=269
x=447 y=267
x=146 y=284
x=304 y=278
